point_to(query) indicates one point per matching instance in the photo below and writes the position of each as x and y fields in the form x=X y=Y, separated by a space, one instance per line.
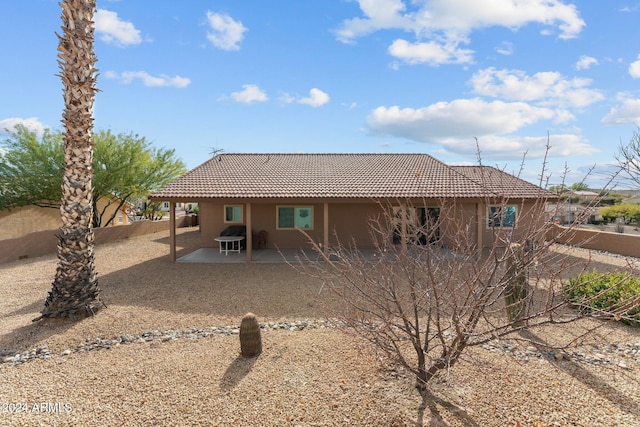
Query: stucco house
x=330 y=195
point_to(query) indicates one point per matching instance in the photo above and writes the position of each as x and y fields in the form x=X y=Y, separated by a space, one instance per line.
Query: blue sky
x=388 y=76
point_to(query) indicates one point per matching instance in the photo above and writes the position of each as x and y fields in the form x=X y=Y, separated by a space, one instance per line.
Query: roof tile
x=341 y=176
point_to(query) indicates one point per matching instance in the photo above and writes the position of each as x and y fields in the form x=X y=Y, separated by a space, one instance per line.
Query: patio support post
x=479 y=226
x=249 y=240
x=325 y=237
x=403 y=228
x=172 y=231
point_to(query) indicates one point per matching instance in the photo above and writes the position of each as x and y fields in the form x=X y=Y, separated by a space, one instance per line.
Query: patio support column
x=249 y=239
x=172 y=231
x=325 y=237
x=479 y=227
x=403 y=228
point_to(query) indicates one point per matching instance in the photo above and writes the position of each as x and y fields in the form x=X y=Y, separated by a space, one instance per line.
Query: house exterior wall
x=263 y=217
x=350 y=221
x=530 y=217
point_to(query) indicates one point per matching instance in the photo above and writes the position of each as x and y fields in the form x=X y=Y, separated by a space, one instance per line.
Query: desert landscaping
x=165 y=351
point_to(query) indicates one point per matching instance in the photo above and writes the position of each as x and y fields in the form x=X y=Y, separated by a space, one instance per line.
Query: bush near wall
x=609 y=292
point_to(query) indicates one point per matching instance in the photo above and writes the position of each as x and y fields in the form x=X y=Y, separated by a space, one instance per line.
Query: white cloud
x=316 y=98
x=634 y=69
x=464 y=118
x=32 y=124
x=379 y=14
x=627 y=112
x=112 y=30
x=505 y=48
x=585 y=62
x=514 y=147
x=226 y=33
x=249 y=95
x=147 y=79
x=545 y=88
x=454 y=126
x=448 y=23
x=432 y=52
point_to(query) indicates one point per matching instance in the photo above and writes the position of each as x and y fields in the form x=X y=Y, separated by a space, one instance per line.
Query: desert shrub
x=607 y=292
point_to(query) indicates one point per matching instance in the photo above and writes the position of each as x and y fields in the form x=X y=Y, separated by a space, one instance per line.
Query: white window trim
x=294 y=207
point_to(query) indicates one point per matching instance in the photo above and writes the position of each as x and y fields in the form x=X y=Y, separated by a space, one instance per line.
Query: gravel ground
x=166 y=352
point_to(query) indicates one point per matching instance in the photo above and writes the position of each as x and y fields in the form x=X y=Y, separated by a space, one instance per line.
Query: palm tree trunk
x=75 y=290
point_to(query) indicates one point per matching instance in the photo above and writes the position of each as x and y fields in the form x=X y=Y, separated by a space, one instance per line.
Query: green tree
x=31 y=169
x=128 y=167
x=579 y=186
x=125 y=166
x=557 y=188
x=629 y=212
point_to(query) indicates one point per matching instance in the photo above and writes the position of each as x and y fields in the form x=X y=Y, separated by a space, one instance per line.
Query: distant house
x=111 y=206
x=330 y=195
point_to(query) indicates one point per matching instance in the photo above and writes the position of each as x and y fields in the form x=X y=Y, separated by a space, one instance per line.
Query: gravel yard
x=166 y=352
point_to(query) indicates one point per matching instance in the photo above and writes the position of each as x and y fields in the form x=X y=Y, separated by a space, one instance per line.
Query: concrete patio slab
x=259 y=256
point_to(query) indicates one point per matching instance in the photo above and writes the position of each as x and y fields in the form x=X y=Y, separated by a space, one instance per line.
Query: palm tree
x=75 y=290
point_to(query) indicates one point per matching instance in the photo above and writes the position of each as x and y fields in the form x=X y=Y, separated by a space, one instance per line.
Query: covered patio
x=262 y=256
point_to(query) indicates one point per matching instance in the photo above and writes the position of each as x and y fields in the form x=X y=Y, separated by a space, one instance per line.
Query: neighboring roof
x=585 y=193
x=340 y=176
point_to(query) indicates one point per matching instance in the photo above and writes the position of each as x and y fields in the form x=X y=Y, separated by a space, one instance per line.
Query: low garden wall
x=45 y=242
x=617 y=243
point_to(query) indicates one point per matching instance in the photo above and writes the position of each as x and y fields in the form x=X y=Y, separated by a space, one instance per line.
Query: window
x=502 y=216
x=290 y=217
x=233 y=213
x=422 y=224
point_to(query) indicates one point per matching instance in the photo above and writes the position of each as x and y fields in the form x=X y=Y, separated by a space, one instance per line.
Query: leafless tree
x=629 y=159
x=426 y=292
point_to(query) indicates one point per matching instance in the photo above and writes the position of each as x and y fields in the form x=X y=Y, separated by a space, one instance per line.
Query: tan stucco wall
x=617 y=243
x=348 y=220
x=530 y=217
x=28 y=219
x=263 y=217
x=44 y=242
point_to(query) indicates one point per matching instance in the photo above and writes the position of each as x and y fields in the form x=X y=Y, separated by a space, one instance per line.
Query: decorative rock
x=250 y=336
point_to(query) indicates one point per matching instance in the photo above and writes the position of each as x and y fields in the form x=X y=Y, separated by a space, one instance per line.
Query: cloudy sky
x=420 y=76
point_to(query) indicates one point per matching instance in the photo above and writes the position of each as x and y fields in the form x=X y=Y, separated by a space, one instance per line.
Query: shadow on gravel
x=220 y=290
x=238 y=369
x=431 y=402
x=23 y=338
x=627 y=404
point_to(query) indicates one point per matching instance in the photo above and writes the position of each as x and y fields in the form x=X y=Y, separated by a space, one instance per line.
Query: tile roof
x=337 y=176
x=502 y=182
